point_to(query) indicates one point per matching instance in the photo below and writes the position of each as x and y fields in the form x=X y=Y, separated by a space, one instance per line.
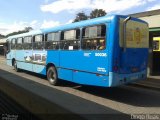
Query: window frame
x=28 y=42
x=104 y=38
x=46 y=40
x=35 y=42
x=14 y=43
x=20 y=43
x=76 y=39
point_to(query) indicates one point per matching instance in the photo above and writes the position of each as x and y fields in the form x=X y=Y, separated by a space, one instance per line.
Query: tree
x=97 y=13
x=94 y=14
x=80 y=16
x=26 y=29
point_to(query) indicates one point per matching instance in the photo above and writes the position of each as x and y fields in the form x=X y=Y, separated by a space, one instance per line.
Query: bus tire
x=52 y=75
x=15 y=66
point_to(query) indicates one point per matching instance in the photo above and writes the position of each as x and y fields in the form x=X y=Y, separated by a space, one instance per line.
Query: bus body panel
x=20 y=60
x=65 y=74
x=53 y=57
x=30 y=60
x=20 y=55
x=90 y=79
x=131 y=63
x=85 y=61
x=74 y=64
x=38 y=68
x=21 y=64
x=26 y=66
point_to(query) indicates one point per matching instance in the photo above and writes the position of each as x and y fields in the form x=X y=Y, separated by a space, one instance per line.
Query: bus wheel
x=52 y=75
x=15 y=66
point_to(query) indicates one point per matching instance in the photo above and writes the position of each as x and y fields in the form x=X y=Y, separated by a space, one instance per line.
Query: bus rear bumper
x=116 y=79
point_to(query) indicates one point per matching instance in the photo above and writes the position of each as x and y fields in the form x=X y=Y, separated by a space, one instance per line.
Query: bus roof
x=33 y=32
x=83 y=23
x=99 y=20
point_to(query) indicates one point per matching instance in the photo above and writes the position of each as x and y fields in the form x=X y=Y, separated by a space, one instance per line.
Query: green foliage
x=94 y=14
x=80 y=16
x=26 y=29
x=97 y=13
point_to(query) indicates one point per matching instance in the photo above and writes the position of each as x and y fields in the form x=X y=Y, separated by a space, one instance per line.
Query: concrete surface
x=119 y=101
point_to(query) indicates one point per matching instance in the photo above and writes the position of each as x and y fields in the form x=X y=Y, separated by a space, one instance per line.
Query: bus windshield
x=136 y=34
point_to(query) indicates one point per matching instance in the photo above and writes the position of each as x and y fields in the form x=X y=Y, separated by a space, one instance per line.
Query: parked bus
x=156 y=55
x=106 y=51
x=156 y=44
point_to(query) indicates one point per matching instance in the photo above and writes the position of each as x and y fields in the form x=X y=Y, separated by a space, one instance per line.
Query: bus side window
x=52 y=41
x=13 y=44
x=70 y=40
x=19 y=43
x=27 y=43
x=94 y=37
x=38 y=42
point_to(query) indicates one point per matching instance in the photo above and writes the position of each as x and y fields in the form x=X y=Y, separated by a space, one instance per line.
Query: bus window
x=19 y=43
x=93 y=38
x=13 y=44
x=38 y=42
x=70 y=40
x=52 y=41
x=155 y=45
x=27 y=43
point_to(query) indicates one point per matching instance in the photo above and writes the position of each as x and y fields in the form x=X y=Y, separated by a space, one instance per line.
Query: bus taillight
x=115 y=68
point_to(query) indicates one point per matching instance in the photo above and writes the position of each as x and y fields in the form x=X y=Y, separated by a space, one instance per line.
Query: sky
x=15 y=15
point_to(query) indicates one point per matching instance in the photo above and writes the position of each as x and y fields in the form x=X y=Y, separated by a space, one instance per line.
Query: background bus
x=156 y=55
x=156 y=44
x=106 y=51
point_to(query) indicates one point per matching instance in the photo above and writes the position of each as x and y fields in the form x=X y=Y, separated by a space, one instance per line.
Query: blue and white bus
x=106 y=51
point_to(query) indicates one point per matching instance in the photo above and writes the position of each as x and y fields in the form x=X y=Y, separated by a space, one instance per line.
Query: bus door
x=93 y=59
x=95 y=51
x=70 y=48
x=13 y=48
x=8 y=53
x=27 y=55
x=19 y=52
x=39 y=54
x=52 y=45
x=134 y=50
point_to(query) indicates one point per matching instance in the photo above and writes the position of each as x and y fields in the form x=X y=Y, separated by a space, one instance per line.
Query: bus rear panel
x=131 y=52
